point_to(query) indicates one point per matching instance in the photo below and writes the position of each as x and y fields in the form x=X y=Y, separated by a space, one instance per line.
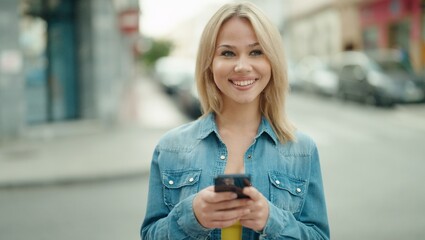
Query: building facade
x=394 y=24
x=62 y=60
x=329 y=26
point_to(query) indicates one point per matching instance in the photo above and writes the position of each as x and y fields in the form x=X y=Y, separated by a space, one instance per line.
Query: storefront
x=394 y=24
x=48 y=43
x=64 y=60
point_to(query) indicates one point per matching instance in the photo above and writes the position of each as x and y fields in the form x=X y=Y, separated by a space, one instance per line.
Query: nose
x=243 y=65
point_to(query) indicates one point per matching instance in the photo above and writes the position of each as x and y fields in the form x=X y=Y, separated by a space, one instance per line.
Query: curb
x=106 y=155
x=73 y=180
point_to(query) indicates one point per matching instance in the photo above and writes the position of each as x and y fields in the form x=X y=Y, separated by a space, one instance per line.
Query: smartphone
x=232 y=183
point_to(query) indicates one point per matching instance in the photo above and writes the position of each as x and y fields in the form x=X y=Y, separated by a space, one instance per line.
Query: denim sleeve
x=159 y=222
x=312 y=222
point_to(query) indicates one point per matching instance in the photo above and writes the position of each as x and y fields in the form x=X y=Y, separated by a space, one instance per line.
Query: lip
x=244 y=78
x=243 y=82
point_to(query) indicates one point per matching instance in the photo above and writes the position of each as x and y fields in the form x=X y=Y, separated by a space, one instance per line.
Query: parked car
x=294 y=84
x=377 y=78
x=314 y=74
x=188 y=100
x=177 y=76
x=421 y=83
x=174 y=72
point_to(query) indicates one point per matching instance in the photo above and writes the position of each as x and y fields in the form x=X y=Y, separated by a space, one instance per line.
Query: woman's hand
x=258 y=205
x=219 y=209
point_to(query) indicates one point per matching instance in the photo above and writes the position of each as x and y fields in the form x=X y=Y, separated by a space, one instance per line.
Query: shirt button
x=298 y=190
x=191 y=179
x=171 y=182
x=277 y=182
x=222 y=157
x=249 y=156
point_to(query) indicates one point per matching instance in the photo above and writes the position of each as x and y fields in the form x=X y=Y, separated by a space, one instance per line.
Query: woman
x=242 y=86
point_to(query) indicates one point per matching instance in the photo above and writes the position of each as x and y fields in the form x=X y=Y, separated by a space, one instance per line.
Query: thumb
x=252 y=192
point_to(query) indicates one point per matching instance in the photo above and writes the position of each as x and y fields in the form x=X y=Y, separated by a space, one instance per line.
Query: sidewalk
x=88 y=150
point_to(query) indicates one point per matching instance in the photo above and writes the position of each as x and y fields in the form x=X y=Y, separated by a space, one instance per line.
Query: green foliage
x=157 y=49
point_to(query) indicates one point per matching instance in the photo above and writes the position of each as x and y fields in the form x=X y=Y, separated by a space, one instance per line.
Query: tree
x=157 y=49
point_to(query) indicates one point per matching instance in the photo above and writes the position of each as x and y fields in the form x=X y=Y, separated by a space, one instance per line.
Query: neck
x=240 y=118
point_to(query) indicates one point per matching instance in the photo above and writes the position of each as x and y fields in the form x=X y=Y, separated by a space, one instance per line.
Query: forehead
x=236 y=29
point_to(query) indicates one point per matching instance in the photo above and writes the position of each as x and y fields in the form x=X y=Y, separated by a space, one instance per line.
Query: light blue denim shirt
x=188 y=158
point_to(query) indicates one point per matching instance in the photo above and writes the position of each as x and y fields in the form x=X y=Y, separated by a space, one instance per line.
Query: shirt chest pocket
x=286 y=192
x=179 y=184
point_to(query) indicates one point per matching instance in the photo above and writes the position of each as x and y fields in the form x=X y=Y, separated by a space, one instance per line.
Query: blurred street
x=69 y=151
x=110 y=210
x=87 y=88
x=372 y=160
x=84 y=180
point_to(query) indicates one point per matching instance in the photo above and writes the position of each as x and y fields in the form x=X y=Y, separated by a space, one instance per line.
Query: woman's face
x=241 y=70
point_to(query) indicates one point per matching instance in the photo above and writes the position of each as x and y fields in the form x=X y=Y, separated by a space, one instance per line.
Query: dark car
x=377 y=78
x=188 y=100
x=177 y=76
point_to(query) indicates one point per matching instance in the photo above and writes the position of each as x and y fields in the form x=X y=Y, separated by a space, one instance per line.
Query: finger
x=253 y=224
x=218 y=197
x=220 y=219
x=252 y=192
x=228 y=215
x=210 y=196
x=224 y=223
x=207 y=214
x=232 y=204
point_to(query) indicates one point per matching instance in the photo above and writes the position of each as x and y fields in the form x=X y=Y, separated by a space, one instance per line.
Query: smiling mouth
x=243 y=83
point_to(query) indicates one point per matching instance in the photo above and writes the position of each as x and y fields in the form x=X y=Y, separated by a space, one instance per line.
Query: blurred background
x=88 y=87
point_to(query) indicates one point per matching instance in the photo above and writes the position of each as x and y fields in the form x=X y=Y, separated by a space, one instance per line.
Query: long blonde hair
x=272 y=99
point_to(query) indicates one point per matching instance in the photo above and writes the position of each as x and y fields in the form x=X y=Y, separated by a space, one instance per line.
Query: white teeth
x=243 y=83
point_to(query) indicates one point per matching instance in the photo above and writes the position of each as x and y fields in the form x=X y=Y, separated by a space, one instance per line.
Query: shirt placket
x=221 y=158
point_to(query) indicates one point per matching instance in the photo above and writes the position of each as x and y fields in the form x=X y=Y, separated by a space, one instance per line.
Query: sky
x=159 y=16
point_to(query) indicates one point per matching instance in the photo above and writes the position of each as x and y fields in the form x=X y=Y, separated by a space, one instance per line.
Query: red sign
x=129 y=21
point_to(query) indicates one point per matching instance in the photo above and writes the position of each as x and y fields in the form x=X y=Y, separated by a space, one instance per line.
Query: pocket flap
x=180 y=178
x=296 y=187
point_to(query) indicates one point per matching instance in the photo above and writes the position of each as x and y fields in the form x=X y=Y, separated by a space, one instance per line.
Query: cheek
x=220 y=69
x=266 y=69
x=266 y=73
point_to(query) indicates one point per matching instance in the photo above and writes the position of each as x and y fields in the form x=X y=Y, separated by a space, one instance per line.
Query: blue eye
x=256 y=52
x=227 y=53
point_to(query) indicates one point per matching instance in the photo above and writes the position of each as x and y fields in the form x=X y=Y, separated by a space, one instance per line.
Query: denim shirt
x=188 y=158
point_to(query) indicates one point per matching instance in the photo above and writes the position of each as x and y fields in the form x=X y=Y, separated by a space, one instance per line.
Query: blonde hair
x=272 y=99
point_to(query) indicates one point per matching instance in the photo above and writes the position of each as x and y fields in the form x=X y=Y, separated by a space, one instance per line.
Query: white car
x=174 y=72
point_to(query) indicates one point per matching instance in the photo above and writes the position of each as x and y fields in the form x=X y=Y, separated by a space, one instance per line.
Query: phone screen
x=232 y=183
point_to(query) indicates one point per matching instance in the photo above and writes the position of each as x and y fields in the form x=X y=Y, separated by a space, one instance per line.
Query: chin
x=247 y=101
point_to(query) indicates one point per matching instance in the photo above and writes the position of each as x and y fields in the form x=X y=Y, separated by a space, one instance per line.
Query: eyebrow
x=230 y=46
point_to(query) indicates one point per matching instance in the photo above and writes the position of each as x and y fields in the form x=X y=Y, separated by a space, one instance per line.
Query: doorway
x=399 y=38
x=48 y=40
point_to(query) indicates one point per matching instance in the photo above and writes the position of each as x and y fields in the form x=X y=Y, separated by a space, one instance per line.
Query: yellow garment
x=233 y=232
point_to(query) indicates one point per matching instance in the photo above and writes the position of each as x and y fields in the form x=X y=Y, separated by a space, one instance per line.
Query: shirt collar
x=266 y=128
x=208 y=125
